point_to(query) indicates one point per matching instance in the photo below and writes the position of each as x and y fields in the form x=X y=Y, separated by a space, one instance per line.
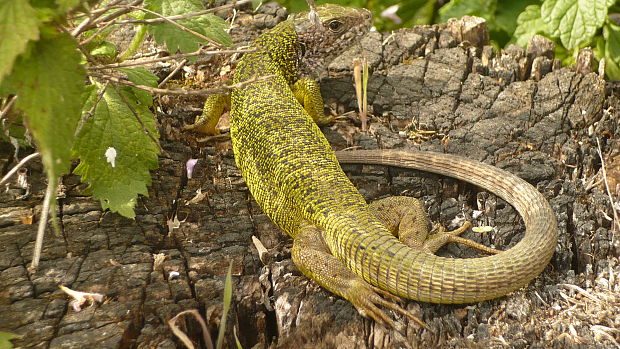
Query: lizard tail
x=386 y=263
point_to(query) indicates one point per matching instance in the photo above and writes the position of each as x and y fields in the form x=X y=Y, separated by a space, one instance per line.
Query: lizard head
x=324 y=38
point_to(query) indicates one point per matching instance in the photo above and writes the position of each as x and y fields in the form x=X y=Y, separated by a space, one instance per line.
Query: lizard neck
x=282 y=46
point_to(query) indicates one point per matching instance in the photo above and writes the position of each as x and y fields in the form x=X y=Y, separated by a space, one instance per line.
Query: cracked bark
x=516 y=110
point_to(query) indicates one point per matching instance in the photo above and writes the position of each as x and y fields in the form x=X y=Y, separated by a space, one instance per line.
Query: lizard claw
x=442 y=237
x=366 y=299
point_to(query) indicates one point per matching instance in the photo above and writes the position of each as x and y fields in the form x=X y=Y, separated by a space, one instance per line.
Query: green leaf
x=425 y=14
x=51 y=10
x=529 y=23
x=14 y=132
x=65 y=6
x=416 y=12
x=178 y=40
x=5 y=339
x=106 y=49
x=142 y=76
x=574 y=21
x=49 y=83
x=611 y=33
x=508 y=12
x=18 y=25
x=460 y=8
x=226 y=306
x=237 y=342
x=216 y=29
x=115 y=152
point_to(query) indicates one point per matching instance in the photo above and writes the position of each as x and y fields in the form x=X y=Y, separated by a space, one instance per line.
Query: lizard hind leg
x=406 y=218
x=313 y=258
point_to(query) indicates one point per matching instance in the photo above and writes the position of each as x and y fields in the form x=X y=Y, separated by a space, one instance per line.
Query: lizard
x=365 y=253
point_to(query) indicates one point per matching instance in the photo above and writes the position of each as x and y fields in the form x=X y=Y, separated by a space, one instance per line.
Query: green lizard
x=359 y=251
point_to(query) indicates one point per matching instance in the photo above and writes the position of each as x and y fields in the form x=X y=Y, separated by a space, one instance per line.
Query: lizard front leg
x=405 y=217
x=308 y=94
x=313 y=258
x=306 y=91
x=211 y=112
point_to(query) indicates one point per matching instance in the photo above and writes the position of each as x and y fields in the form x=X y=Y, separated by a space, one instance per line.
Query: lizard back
x=295 y=177
x=286 y=161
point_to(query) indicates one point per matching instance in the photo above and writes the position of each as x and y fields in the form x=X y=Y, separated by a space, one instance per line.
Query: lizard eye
x=335 y=26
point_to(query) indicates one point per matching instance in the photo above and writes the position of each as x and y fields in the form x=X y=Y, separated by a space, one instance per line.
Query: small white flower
x=110 y=155
x=390 y=13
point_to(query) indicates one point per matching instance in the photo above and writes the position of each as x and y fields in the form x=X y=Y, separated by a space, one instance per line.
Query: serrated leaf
x=529 y=23
x=611 y=33
x=217 y=29
x=574 y=21
x=49 y=83
x=18 y=25
x=142 y=76
x=178 y=40
x=5 y=339
x=113 y=125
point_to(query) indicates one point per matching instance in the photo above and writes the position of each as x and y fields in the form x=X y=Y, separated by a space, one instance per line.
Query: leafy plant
x=574 y=24
x=51 y=48
x=78 y=96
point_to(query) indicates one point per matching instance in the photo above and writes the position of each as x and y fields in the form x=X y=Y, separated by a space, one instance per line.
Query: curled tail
x=386 y=263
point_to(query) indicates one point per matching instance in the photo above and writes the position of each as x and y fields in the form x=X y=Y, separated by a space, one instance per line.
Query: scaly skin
x=340 y=241
x=430 y=278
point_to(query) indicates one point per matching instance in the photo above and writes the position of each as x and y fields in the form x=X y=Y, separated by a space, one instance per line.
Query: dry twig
x=611 y=199
x=181 y=92
x=199 y=52
x=20 y=164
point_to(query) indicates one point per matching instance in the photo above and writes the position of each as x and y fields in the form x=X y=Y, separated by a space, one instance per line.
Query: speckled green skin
x=295 y=177
x=278 y=147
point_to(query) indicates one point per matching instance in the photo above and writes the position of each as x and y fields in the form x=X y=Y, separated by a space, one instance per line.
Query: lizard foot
x=435 y=241
x=314 y=259
x=366 y=299
x=405 y=217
